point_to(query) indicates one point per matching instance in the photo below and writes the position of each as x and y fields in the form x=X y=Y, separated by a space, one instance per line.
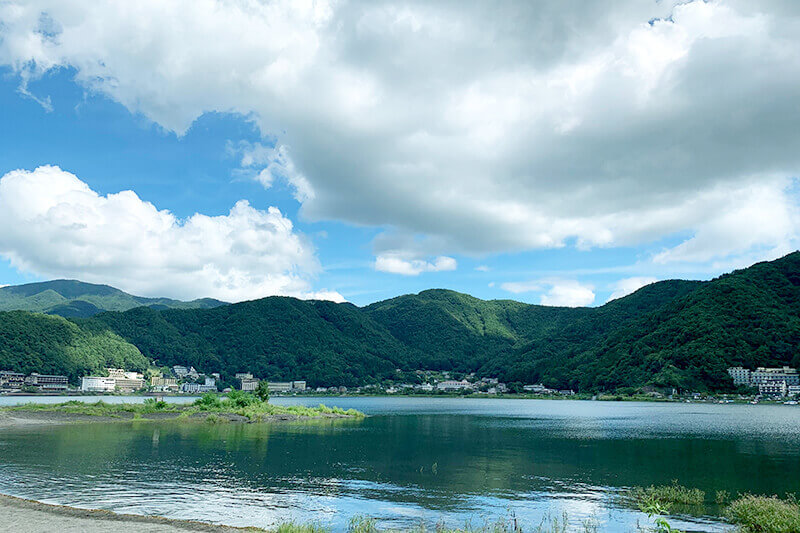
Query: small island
x=235 y=407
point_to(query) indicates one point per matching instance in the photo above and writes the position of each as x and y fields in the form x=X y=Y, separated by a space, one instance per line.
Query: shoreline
x=24 y=515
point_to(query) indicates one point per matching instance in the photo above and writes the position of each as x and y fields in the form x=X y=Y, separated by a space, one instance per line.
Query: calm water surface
x=413 y=459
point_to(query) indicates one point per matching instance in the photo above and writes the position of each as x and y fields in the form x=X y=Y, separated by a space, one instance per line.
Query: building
x=250 y=384
x=162 y=384
x=11 y=380
x=452 y=385
x=244 y=375
x=299 y=385
x=280 y=386
x=793 y=390
x=98 y=384
x=776 y=387
x=47 y=382
x=126 y=381
x=180 y=371
x=763 y=375
x=536 y=389
x=740 y=375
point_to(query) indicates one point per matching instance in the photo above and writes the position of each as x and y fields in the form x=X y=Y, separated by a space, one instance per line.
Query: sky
x=553 y=152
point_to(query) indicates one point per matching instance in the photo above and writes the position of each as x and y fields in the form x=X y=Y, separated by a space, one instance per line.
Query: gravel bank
x=27 y=516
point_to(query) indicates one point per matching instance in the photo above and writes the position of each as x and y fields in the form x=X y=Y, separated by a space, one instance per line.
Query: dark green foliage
x=70 y=298
x=681 y=334
x=262 y=391
x=54 y=345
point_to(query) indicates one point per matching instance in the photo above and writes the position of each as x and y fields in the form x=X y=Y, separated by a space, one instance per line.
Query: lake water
x=414 y=459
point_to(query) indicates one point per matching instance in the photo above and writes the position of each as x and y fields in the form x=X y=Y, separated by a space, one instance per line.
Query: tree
x=262 y=391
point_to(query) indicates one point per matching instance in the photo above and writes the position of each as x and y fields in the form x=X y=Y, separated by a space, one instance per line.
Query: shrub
x=241 y=399
x=764 y=514
x=208 y=401
x=262 y=391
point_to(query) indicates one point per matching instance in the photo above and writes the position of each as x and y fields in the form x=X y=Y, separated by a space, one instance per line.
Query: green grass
x=668 y=494
x=764 y=514
x=212 y=405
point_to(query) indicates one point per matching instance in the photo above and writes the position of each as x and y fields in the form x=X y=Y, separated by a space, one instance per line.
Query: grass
x=668 y=495
x=214 y=407
x=765 y=514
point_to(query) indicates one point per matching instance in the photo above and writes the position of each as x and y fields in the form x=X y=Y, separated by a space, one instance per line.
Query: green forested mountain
x=72 y=298
x=31 y=342
x=672 y=333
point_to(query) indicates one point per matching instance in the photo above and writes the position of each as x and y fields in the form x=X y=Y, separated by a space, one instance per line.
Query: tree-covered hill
x=72 y=298
x=32 y=342
x=674 y=333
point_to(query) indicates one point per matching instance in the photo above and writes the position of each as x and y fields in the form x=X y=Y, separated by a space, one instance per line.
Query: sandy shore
x=27 y=516
x=22 y=418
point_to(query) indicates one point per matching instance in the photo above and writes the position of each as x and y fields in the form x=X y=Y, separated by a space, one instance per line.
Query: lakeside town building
x=451 y=385
x=98 y=384
x=126 y=381
x=779 y=381
x=11 y=380
x=47 y=382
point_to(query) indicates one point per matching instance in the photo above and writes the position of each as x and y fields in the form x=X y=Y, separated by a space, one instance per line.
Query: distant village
x=767 y=383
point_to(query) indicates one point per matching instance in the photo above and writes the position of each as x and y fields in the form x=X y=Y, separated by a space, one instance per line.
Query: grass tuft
x=765 y=514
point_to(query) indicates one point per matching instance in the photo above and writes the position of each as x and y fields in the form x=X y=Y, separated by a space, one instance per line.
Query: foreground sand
x=27 y=516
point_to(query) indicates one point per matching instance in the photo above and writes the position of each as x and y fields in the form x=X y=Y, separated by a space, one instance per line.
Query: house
x=740 y=375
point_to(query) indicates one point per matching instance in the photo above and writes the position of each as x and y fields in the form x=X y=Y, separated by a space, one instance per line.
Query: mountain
x=46 y=344
x=673 y=333
x=70 y=298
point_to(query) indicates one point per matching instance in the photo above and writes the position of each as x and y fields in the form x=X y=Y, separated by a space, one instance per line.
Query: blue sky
x=392 y=173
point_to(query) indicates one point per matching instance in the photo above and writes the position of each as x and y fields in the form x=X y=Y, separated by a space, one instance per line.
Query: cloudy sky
x=554 y=152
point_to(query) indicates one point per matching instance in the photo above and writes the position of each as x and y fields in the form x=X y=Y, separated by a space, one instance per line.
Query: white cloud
x=482 y=268
x=484 y=128
x=628 y=285
x=568 y=293
x=395 y=263
x=555 y=292
x=55 y=225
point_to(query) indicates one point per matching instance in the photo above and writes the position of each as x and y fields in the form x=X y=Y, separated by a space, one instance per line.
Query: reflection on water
x=418 y=459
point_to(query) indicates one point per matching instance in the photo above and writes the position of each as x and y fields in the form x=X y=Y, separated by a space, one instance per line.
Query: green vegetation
x=671 y=334
x=71 y=298
x=54 y=345
x=762 y=514
x=667 y=495
x=210 y=407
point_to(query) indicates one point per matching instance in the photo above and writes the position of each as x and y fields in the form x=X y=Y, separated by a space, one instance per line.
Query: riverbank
x=28 y=516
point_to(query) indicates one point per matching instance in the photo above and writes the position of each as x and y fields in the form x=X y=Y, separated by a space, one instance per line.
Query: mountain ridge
x=673 y=333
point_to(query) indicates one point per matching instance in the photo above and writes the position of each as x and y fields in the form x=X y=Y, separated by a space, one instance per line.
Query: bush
x=151 y=404
x=241 y=399
x=262 y=391
x=765 y=514
x=208 y=401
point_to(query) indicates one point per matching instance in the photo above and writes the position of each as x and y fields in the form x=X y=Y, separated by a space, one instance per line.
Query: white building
x=250 y=384
x=777 y=387
x=451 y=385
x=763 y=375
x=740 y=375
x=98 y=384
x=126 y=381
x=299 y=385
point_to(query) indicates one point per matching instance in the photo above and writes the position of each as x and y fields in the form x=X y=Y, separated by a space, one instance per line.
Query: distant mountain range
x=70 y=298
x=676 y=333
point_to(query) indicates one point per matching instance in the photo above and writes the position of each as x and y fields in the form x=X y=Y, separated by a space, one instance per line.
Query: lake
x=436 y=460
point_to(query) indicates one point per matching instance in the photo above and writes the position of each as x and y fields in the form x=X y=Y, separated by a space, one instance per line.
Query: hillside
x=674 y=333
x=70 y=298
x=54 y=345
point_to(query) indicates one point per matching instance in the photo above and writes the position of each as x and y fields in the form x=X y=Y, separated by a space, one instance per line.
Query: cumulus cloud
x=397 y=263
x=555 y=292
x=485 y=128
x=628 y=285
x=55 y=225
